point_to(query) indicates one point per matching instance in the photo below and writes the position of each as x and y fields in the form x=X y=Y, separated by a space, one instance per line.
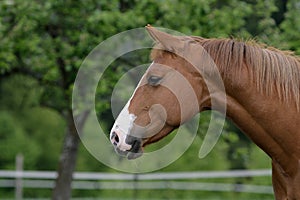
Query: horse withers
x=260 y=89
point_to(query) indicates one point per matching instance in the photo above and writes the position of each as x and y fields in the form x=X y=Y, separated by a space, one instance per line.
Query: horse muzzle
x=126 y=145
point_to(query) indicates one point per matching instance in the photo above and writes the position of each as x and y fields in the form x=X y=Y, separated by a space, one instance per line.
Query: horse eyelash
x=154 y=80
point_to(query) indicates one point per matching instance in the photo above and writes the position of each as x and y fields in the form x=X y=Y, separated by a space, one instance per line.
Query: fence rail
x=153 y=181
x=149 y=176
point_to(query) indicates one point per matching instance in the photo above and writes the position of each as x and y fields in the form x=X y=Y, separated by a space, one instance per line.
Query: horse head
x=170 y=92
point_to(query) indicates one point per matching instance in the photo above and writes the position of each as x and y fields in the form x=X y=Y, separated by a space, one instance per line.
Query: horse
x=262 y=93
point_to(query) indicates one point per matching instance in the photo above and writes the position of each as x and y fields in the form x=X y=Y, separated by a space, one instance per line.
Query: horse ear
x=169 y=42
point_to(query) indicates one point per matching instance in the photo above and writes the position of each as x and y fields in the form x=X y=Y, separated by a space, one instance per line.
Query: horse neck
x=260 y=117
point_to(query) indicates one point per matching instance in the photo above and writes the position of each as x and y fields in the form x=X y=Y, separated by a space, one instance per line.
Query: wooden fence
x=20 y=179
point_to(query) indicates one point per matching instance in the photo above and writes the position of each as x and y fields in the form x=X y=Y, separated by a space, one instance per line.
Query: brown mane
x=275 y=71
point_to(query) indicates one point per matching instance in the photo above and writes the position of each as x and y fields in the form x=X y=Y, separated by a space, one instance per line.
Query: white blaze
x=124 y=124
x=122 y=127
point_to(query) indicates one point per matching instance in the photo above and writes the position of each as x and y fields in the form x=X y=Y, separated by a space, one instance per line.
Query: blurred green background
x=43 y=44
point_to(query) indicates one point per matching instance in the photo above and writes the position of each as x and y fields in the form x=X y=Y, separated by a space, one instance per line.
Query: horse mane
x=273 y=70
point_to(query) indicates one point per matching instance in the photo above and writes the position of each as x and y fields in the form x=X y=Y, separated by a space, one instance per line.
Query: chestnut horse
x=262 y=87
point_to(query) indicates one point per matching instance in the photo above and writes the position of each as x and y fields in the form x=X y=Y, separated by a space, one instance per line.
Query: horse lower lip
x=135 y=152
x=129 y=154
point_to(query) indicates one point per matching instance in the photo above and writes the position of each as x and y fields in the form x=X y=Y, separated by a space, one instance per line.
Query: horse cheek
x=174 y=115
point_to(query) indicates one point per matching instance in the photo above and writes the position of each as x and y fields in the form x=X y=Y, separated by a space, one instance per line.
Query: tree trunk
x=67 y=162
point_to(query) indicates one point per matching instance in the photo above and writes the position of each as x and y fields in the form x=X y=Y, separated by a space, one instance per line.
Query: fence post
x=19 y=170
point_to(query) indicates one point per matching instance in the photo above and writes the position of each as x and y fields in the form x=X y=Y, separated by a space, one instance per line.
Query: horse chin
x=131 y=154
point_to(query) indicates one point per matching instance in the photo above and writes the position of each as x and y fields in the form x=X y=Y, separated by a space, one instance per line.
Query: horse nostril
x=115 y=138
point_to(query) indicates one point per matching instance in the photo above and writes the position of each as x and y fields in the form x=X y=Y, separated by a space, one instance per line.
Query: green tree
x=11 y=132
x=46 y=41
x=21 y=101
x=291 y=27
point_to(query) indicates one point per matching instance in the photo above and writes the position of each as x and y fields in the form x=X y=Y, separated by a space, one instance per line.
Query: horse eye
x=154 y=80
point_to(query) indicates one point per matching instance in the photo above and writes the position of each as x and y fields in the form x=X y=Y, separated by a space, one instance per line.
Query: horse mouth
x=136 y=151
